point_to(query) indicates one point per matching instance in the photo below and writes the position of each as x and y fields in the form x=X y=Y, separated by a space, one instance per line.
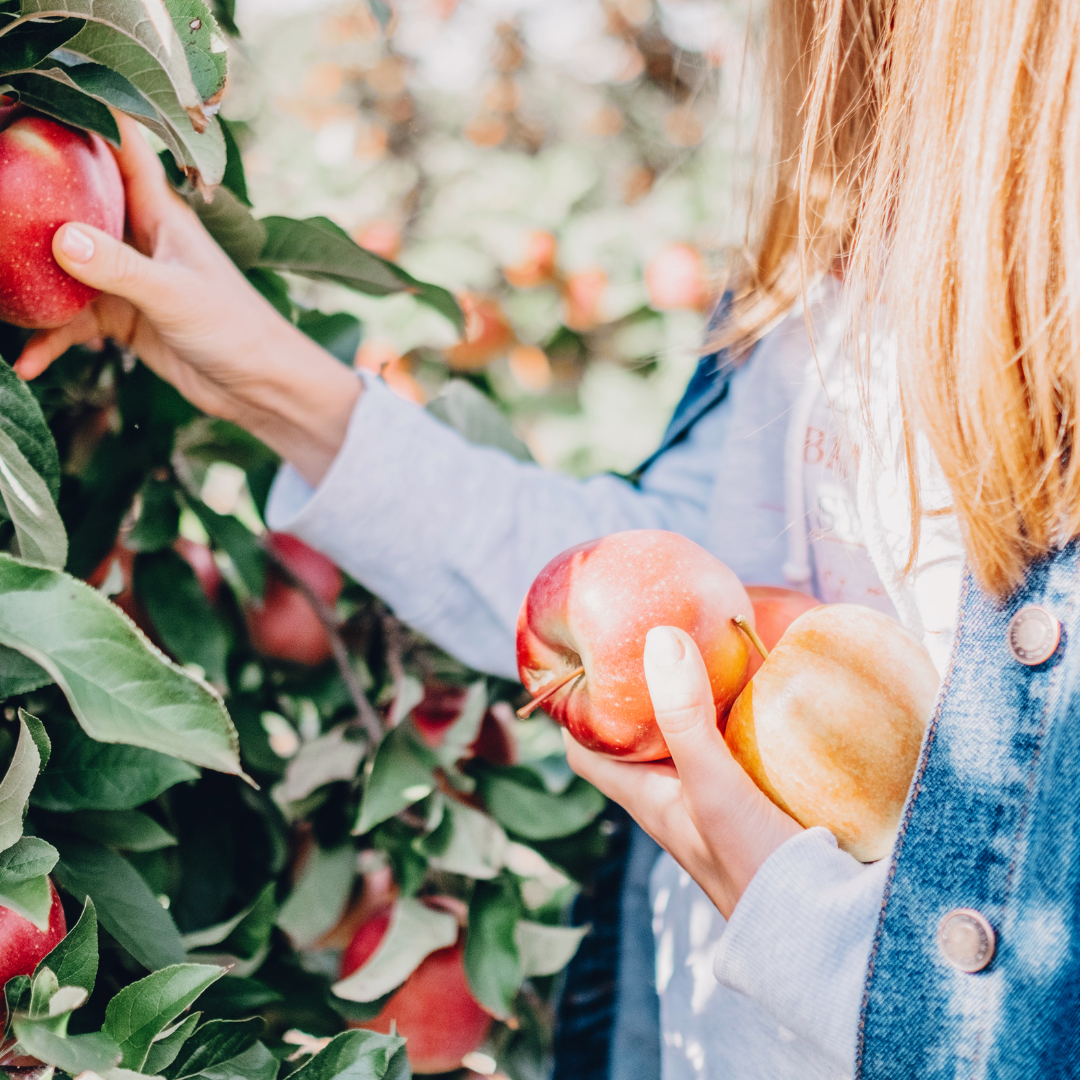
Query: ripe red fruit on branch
x=22 y=944
x=285 y=625
x=775 y=609
x=434 y=1009
x=50 y=174
x=830 y=727
x=591 y=608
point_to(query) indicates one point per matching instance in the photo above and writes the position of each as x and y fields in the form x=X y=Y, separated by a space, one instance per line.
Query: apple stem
x=547 y=692
x=743 y=623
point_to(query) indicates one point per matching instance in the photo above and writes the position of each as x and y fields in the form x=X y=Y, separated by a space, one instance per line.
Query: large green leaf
x=517 y=799
x=124 y=903
x=21 y=419
x=24 y=884
x=214 y=1044
x=75 y=1054
x=75 y=959
x=19 y=674
x=545 y=950
x=87 y=775
x=163 y=1051
x=231 y=224
x=52 y=94
x=317 y=248
x=39 y=530
x=357 y=1055
x=29 y=43
x=492 y=961
x=320 y=896
x=243 y=936
x=415 y=932
x=143 y=1009
x=120 y=688
x=400 y=776
x=124 y=830
x=17 y=784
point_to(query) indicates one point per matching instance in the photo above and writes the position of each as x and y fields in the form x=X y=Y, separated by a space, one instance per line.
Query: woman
x=741 y=472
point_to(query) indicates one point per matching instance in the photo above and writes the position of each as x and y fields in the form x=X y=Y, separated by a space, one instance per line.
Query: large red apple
x=22 y=944
x=830 y=727
x=50 y=174
x=775 y=609
x=285 y=625
x=591 y=607
x=434 y=1009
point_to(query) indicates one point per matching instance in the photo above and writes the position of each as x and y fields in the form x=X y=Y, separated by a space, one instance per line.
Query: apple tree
x=228 y=758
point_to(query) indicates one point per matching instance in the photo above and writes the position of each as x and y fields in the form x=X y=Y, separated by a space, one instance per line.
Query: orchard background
x=225 y=797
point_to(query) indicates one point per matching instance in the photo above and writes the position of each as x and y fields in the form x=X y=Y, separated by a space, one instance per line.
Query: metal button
x=1034 y=635
x=966 y=940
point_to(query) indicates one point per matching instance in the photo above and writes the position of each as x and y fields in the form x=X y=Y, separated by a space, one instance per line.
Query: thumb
x=99 y=260
x=683 y=703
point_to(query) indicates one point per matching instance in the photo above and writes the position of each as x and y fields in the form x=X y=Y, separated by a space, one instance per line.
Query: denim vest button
x=966 y=940
x=1034 y=635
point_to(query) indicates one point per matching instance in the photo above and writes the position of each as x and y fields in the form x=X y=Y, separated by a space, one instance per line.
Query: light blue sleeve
x=451 y=534
x=799 y=940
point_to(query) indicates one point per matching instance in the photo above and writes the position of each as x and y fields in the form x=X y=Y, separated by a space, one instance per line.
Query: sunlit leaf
x=545 y=950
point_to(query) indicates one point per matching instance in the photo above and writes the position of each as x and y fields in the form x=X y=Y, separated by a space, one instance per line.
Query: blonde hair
x=822 y=111
x=969 y=234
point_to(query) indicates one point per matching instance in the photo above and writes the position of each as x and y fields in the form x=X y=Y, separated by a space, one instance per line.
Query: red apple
x=591 y=608
x=487 y=334
x=50 y=174
x=830 y=727
x=538 y=265
x=440 y=708
x=285 y=625
x=22 y=944
x=775 y=609
x=676 y=277
x=434 y=1009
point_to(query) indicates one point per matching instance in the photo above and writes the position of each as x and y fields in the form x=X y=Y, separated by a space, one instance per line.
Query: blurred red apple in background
x=285 y=625
x=583 y=299
x=775 y=609
x=487 y=334
x=434 y=1009
x=50 y=174
x=22 y=944
x=830 y=727
x=538 y=265
x=676 y=277
x=591 y=608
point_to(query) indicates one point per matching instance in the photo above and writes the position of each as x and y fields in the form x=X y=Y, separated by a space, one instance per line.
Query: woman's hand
x=181 y=305
x=700 y=806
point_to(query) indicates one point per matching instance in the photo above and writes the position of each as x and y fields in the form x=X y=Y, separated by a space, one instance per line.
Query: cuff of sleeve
x=799 y=940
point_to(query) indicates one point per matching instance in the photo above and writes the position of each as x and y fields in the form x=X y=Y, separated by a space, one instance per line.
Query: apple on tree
x=50 y=174
x=434 y=1009
x=581 y=634
x=23 y=945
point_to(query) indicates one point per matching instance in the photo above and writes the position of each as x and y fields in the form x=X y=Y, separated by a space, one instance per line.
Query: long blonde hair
x=969 y=234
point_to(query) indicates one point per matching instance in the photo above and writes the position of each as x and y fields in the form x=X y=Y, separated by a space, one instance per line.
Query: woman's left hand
x=700 y=805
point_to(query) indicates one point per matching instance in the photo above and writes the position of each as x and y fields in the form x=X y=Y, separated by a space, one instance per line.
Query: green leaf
x=545 y=950
x=100 y=82
x=245 y=934
x=123 y=901
x=75 y=958
x=234 y=178
x=324 y=760
x=415 y=932
x=87 y=775
x=356 y=1055
x=230 y=223
x=22 y=420
x=39 y=531
x=216 y=1043
x=319 y=898
x=338 y=334
x=196 y=27
x=75 y=1054
x=125 y=830
x=165 y=1048
x=159 y=518
x=400 y=776
x=55 y=98
x=120 y=688
x=27 y=45
x=239 y=543
x=255 y=1063
x=40 y=737
x=19 y=674
x=143 y=1009
x=476 y=845
x=31 y=898
x=15 y=788
x=319 y=249
x=492 y=962
x=273 y=288
x=184 y=618
x=16 y=998
x=516 y=798
x=475 y=416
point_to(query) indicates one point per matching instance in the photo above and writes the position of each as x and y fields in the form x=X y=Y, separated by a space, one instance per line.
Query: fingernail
x=665 y=647
x=76 y=245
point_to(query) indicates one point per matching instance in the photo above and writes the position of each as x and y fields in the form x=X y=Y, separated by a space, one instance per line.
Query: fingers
x=108 y=316
x=683 y=703
x=150 y=197
x=102 y=262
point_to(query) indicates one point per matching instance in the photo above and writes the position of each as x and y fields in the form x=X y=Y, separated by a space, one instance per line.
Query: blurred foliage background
x=572 y=169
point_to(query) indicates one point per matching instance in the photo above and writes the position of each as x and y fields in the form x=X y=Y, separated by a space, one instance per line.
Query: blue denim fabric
x=993 y=823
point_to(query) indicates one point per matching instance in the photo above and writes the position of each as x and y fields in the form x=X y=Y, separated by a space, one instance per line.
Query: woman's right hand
x=181 y=305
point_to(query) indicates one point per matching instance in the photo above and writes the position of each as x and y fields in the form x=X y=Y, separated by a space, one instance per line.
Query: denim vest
x=992 y=824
